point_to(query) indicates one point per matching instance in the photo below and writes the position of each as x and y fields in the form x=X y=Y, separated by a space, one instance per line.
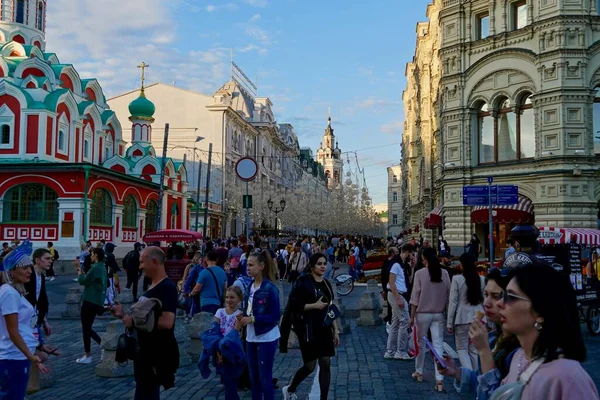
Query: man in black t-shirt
x=158 y=357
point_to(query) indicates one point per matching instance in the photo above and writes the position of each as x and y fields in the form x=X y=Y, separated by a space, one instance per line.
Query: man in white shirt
x=397 y=343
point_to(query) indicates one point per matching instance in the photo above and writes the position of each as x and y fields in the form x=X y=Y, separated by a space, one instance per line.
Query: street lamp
x=199 y=183
x=276 y=211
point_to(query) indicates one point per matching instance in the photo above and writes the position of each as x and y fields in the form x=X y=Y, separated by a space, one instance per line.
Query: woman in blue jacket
x=261 y=319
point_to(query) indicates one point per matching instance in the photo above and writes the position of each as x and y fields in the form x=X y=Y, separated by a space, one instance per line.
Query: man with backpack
x=234 y=256
x=131 y=264
x=212 y=283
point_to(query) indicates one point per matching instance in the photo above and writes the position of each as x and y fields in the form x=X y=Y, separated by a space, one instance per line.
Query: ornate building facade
x=420 y=140
x=395 y=208
x=65 y=172
x=519 y=102
x=329 y=156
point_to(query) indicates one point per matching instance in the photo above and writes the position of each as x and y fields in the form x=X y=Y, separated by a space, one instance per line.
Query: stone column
x=126 y=299
x=109 y=367
x=73 y=303
x=370 y=306
x=183 y=342
x=342 y=324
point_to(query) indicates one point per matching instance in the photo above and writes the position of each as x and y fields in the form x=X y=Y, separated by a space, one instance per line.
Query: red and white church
x=66 y=174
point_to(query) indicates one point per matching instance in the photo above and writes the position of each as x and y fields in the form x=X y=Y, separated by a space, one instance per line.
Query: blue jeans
x=14 y=376
x=231 y=386
x=260 y=364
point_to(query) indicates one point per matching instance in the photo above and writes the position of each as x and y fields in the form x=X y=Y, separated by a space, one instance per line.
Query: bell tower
x=24 y=22
x=329 y=156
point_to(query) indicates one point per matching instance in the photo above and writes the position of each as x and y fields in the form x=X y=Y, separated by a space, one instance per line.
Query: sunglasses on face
x=511 y=297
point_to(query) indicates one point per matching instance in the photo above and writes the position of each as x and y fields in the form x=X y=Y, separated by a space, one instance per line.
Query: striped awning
x=585 y=236
x=519 y=213
x=434 y=219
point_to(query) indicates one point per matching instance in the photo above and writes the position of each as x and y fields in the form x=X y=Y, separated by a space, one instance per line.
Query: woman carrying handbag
x=312 y=316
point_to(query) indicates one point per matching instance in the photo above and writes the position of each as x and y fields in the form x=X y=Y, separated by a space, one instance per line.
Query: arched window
x=5 y=134
x=31 y=203
x=129 y=212
x=61 y=141
x=596 y=126
x=101 y=208
x=151 y=213
x=485 y=128
x=509 y=135
x=20 y=15
x=40 y=17
x=86 y=149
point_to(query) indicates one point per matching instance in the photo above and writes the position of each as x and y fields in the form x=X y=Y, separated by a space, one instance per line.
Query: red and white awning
x=522 y=213
x=585 y=236
x=434 y=219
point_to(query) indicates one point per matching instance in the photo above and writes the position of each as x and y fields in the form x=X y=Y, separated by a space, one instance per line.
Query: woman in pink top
x=539 y=307
x=429 y=299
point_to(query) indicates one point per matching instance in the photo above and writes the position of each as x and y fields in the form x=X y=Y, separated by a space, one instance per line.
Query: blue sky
x=305 y=55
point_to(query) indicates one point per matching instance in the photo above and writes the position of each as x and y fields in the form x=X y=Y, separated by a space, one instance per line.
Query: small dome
x=142 y=107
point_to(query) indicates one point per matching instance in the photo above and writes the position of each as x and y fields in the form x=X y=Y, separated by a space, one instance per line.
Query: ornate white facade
x=395 y=206
x=519 y=103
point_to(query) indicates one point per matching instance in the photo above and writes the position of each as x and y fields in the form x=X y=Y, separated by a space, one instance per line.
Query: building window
x=20 y=17
x=395 y=179
x=395 y=219
x=482 y=26
x=151 y=213
x=129 y=212
x=5 y=134
x=40 y=17
x=394 y=197
x=61 y=141
x=86 y=148
x=31 y=203
x=510 y=136
x=519 y=14
x=596 y=125
x=101 y=209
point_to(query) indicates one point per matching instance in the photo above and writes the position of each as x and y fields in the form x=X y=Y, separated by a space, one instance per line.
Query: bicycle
x=344 y=283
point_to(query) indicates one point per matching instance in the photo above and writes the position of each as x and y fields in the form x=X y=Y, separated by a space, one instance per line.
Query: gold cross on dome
x=143 y=66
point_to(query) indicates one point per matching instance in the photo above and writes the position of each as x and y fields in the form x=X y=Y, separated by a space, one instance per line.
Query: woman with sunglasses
x=540 y=308
x=495 y=348
x=307 y=309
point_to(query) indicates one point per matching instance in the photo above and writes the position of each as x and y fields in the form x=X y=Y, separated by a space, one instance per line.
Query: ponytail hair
x=264 y=257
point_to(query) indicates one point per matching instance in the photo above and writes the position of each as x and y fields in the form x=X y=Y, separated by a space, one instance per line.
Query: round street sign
x=246 y=169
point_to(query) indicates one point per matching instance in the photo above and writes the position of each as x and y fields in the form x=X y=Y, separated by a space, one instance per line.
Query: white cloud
x=257 y=3
x=108 y=39
x=254 y=31
x=392 y=127
x=253 y=47
x=372 y=102
x=227 y=6
x=255 y=18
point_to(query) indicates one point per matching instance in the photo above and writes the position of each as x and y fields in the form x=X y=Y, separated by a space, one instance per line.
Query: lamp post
x=276 y=211
x=199 y=183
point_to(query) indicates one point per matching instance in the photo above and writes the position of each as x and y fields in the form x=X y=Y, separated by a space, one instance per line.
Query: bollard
x=126 y=299
x=39 y=381
x=183 y=342
x=342 y=324
x=372 y=286
x=109 y=367
x=200 y=323
x=73 y=303
x=370 y=308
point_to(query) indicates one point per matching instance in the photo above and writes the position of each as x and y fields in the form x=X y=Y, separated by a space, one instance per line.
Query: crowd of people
x=516 y=330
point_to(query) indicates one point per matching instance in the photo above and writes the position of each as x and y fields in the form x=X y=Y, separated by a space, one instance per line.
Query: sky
x=305 y=55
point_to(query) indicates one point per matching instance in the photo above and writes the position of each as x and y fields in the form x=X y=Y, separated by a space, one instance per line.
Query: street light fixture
x=276 y=211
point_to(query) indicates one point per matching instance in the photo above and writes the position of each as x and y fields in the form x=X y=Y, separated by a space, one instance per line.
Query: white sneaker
x=287 y=395
x=388 y=356
x=75 y=280
x=84 y=360
x=51 y=278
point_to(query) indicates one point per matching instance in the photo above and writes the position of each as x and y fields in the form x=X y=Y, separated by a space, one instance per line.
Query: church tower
x=329 y=156
x=24 y=22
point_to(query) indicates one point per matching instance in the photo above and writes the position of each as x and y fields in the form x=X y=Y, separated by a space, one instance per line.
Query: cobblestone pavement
x=358 y=370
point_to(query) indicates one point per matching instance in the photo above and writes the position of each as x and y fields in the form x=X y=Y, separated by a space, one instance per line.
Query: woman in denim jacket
x=261 y=318
x=495 y=348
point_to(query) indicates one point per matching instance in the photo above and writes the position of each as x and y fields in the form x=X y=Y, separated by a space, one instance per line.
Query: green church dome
x=142 y=107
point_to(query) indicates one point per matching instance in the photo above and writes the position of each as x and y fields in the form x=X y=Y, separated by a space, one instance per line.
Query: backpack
x=56 y=255
x=280 y=260
x=144 y=314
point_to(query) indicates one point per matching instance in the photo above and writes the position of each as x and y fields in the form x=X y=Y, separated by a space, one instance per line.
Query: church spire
x=329 y=129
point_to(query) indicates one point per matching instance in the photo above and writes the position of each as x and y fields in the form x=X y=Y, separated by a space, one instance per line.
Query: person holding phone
x=307 y=309
x=428 y=301
x=94 y=281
